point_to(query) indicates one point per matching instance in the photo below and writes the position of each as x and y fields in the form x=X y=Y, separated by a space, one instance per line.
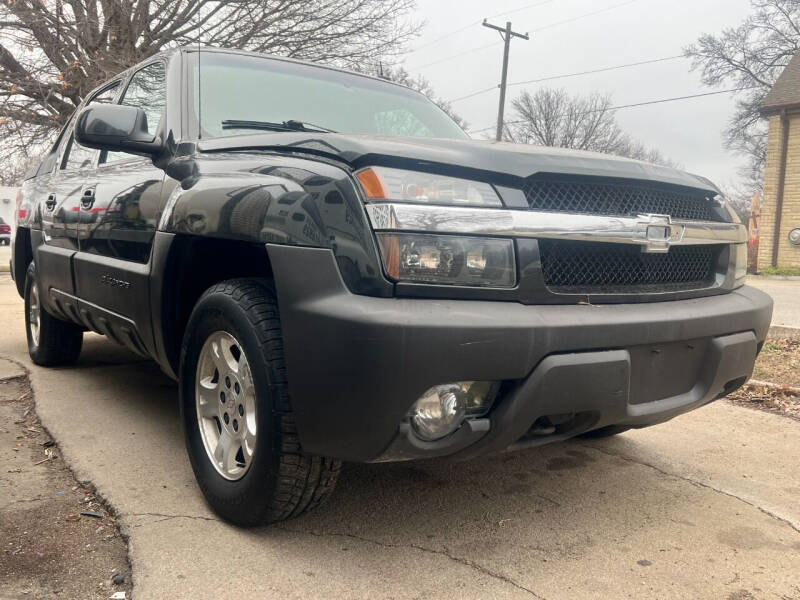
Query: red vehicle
x=5 y=232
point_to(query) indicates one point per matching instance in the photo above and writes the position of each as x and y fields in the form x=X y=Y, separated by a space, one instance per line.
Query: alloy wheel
x=226 y=405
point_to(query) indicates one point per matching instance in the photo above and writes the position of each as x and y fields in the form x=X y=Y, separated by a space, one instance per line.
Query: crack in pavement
x=166 y=517
x=699 y=484
x=462 y=561
x=25 y=500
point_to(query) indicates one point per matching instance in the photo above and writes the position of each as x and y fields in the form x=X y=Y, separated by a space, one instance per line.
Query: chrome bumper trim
x=655 y=233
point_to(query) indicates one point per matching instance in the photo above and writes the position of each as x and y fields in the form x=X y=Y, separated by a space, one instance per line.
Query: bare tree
x=422 y=85
x=52 y=52
x=551 y=117
x=750 y=56
x=739 y=195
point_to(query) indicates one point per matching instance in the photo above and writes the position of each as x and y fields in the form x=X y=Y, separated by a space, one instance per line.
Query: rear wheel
x=51 y=341
x=239 y=427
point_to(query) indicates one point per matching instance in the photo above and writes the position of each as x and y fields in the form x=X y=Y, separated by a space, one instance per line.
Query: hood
x=498 y=162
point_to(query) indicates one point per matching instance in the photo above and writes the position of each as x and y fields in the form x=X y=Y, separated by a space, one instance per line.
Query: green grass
x=780 y=271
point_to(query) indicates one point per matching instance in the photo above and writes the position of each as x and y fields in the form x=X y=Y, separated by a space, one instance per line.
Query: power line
x=625 y=66
x=473 y=94
x=621 y=106
x=465 y=27
x=548 y=26
x=444 y=36
x=565 y=75
x=460 y=54
x=520 y=9
x=589 y=14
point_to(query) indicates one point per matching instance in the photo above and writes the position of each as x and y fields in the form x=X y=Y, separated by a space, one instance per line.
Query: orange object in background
x=752 y=230
x=755 y=217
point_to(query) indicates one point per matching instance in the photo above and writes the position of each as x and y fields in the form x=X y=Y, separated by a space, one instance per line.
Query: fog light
x=442 y=409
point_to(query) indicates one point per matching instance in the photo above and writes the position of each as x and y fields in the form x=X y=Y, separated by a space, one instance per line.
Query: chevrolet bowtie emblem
x=658 y=232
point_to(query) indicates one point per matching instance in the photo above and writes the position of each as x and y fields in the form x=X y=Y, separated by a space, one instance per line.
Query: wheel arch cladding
x=193 y=264
x=281 y=200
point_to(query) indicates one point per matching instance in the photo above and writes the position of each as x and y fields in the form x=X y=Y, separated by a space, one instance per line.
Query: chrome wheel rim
x=226 y=405
x=34 y=314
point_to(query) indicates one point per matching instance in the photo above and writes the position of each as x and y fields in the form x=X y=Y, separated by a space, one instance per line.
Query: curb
x=774 y=277
x=773 y=386
x=784 y=331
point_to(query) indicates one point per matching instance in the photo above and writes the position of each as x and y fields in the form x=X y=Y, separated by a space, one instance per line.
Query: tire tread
x=303 y=481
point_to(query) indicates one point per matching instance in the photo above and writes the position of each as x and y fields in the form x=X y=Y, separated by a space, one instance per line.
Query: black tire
x=604 y=432
x=281 y=481
x=59 y=341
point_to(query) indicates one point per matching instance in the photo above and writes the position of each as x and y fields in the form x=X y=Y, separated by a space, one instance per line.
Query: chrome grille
x=597 y=268
x=596 y=197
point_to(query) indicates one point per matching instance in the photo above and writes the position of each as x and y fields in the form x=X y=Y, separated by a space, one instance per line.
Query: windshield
x=236 y=89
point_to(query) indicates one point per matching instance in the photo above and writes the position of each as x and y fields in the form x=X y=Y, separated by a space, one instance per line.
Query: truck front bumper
x=356 y=364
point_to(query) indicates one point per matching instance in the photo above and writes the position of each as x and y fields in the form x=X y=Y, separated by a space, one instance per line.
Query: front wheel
x=238 y=423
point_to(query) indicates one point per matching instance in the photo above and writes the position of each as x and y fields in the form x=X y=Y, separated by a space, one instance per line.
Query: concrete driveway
x=705 y=506
x=786 y=294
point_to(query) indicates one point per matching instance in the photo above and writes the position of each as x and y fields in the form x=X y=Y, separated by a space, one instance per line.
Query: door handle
x=50 y=203
x=87 y=198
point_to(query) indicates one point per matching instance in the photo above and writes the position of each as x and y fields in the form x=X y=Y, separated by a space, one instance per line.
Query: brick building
x=780 y=209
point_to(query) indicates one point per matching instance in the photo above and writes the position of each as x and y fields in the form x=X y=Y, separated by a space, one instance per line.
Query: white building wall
x=8 y=203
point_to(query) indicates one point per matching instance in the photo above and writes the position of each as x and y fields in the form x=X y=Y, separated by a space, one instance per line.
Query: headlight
x=740 y=262
x=384 y=183
x=448 y=259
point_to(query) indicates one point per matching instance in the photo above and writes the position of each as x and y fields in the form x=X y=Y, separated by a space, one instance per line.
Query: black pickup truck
x=333 y=271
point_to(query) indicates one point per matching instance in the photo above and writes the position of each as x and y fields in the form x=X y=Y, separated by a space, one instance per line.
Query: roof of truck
x=309 y=63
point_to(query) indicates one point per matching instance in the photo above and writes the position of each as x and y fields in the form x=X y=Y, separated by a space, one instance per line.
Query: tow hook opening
x=560 y=425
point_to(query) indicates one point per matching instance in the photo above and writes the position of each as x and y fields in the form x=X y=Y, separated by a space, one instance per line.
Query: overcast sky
x=689 y=131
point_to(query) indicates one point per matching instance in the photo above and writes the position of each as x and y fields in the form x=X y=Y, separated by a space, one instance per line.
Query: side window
x=76 y=156
x=147 y=90
x=51 y=160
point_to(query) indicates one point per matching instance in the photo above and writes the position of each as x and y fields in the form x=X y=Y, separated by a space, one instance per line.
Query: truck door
x=61 y=196
x=118 y=219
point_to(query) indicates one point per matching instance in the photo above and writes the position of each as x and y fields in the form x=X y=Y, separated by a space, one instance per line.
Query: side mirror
x=116 y=127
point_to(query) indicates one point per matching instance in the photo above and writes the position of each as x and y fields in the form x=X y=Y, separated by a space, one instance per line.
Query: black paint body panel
x=268 y=198
x=356 y=364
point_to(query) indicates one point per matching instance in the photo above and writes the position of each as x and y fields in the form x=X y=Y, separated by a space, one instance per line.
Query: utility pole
x=506 y=33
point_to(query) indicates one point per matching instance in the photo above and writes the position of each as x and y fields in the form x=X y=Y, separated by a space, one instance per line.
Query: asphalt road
x=702 y=507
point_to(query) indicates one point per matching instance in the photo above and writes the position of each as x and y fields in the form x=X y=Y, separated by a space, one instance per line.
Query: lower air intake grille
x=601 y=268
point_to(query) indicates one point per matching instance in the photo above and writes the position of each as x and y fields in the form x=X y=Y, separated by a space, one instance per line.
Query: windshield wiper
x=290 y=125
